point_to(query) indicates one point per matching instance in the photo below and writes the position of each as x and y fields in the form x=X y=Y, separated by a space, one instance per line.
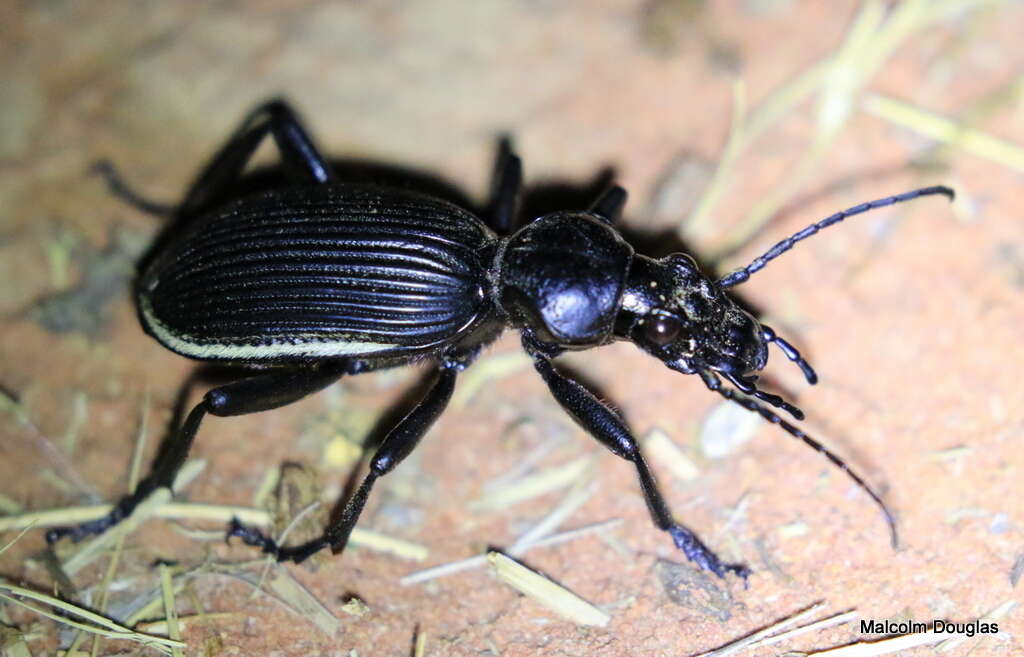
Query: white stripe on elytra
x=184 y=344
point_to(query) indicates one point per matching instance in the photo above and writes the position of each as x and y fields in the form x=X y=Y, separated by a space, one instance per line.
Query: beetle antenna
x=741 y=275
x=712 y=382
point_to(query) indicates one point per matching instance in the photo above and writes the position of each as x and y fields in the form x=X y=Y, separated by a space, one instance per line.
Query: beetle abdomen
x=331 y=270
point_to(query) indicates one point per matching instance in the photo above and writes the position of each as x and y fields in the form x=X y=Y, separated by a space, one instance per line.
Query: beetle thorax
x=562 y=277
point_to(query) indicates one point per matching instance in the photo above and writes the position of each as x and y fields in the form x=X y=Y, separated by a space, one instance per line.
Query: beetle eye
x=662 y=329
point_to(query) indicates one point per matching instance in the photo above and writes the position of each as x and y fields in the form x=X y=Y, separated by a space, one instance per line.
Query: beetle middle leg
x=251 y=395
x=604 y=424
x=397 y=445
x=302 y=161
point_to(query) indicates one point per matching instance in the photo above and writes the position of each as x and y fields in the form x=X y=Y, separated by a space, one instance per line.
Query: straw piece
x=170 y=608
x=667 y=454
x=947 y=131
x=487 y=371
x=760 y=635
x=824 y=623
x=296 y=597
x=558 y=599
x=481 y=560
x=160 y=626
x=699 y=222
x=995 y=614
x=535 y=485
x=91 y=621
x=883 y=647
x=421 y=644
x=372 y=540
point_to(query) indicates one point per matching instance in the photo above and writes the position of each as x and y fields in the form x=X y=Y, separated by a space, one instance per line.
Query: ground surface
x=911 y=315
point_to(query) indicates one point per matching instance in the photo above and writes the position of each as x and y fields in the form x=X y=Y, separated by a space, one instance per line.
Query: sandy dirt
x=911 y=315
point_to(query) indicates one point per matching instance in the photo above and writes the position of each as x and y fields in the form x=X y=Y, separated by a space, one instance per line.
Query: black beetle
x=324 y=278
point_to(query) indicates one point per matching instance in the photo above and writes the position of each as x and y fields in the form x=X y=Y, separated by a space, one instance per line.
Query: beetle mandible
x=322 y=279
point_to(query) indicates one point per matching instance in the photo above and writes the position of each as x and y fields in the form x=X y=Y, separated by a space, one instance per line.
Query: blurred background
x=732 y=125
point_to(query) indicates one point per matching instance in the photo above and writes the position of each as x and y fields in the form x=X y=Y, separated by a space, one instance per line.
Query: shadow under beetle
x=323 y=279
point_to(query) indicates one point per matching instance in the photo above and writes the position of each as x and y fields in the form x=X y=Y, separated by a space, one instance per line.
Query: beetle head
x=678 y=315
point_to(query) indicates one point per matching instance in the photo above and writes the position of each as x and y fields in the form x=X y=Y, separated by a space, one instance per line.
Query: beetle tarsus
x=169 y=461
x=696 y=552
x=300 y=553
x=255 y=538
x=86 y=529
x=250 y=395
x=250 y=536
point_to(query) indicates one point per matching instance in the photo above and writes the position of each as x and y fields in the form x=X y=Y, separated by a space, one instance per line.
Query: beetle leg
x=506 y=189
x=118 y=187
x=399 y=442
x=298 y=154
x=605 y=425
x=258 y=393
x=609 y=205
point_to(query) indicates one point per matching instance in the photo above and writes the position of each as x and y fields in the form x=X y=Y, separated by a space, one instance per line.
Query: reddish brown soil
x=912 y=315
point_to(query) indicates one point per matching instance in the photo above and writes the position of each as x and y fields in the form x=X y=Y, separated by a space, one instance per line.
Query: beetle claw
x=250 y=536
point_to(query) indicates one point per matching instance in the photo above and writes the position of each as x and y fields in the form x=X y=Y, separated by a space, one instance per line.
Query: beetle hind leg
x=299 y=155
x=120 y=188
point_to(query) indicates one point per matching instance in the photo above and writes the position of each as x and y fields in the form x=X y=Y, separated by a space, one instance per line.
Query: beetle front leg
x=609 y=429
x=397 y=445
x=258 y=393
